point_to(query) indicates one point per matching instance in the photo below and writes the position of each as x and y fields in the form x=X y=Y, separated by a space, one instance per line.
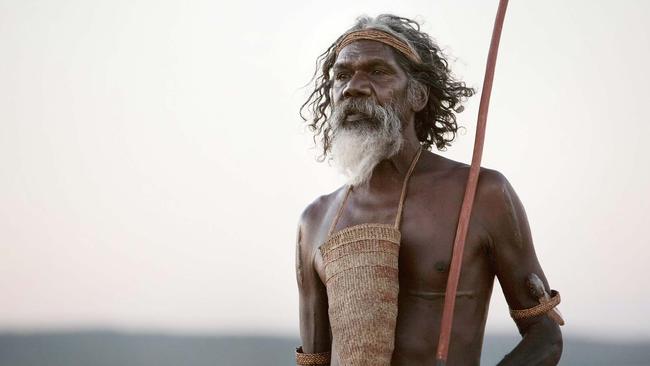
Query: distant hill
x=100 y=348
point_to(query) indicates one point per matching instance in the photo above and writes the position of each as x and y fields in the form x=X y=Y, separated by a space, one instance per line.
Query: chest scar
x=432 y=295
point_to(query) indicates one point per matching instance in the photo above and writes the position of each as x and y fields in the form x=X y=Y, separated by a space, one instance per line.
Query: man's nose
x=358 y=86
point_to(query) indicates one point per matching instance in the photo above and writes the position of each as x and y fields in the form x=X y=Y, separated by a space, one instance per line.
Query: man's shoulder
x=496 y=207
x=493 y=188
x=492 y=184
x=454 y=172
x=313 y=214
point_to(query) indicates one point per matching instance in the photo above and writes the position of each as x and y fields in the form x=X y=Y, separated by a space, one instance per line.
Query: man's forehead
x=365 y=50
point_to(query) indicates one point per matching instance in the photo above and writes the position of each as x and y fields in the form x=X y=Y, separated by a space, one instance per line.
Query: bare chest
x=427 y=234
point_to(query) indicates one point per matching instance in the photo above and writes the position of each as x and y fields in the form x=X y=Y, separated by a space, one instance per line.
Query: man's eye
x=378 y=72
x=342 y=76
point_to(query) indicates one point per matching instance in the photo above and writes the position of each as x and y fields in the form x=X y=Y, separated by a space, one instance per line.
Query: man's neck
x=391 y=171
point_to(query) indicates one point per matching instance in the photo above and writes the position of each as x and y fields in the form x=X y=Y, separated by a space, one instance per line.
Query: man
x=373 y=257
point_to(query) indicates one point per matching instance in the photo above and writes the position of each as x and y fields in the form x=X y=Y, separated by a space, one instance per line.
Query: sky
x=153 y=165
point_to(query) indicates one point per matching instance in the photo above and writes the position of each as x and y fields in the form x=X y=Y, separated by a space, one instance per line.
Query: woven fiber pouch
x=361 y=270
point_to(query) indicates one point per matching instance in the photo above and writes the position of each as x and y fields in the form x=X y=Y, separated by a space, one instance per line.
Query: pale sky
x=153 y=164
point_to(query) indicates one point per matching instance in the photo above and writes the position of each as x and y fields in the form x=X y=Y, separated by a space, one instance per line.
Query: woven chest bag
x=362 y=281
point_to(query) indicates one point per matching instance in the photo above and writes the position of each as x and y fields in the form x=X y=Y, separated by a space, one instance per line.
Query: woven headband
x=379 y=36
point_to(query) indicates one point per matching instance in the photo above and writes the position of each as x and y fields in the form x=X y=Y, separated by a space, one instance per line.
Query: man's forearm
x=541 y=345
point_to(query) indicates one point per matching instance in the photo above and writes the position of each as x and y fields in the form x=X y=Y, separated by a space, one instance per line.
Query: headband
x=379 y=36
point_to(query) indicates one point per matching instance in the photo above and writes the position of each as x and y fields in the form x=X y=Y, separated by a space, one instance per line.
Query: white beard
x=358 y=148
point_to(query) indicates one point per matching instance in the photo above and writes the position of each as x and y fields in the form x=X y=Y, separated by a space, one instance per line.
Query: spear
x=470 y=192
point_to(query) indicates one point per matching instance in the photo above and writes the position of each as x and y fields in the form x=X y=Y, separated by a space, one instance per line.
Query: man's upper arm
x=511 y=246
x=314 y=321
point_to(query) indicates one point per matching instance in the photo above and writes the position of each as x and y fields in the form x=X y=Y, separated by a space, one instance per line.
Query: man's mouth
x=354 y=117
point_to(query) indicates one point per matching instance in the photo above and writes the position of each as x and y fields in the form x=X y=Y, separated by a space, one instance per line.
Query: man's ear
x=419 y=96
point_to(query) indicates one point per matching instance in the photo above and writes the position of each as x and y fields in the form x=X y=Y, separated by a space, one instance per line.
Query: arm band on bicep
x=541 y=309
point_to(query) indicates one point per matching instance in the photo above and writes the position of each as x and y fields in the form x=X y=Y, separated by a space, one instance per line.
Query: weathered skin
x=498 y=244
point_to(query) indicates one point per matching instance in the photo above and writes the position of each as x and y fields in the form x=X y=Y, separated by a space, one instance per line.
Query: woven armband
x=312 y=359
x=541 y=309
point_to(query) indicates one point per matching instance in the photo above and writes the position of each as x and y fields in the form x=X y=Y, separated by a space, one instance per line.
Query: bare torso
x=428 y=227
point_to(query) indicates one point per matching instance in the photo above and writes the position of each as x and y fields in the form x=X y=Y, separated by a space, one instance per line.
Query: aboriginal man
x=373 y=256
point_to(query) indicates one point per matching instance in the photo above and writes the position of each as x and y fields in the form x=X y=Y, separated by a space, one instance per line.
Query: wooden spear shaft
x=470 y=192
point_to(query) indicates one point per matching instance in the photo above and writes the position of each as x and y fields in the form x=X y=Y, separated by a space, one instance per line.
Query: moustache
x=355 y=111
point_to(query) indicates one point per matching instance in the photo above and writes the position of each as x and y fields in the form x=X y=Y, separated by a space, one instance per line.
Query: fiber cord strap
x=312 y=359
x=470 y=192
x=402 y=197
x=537 y=310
